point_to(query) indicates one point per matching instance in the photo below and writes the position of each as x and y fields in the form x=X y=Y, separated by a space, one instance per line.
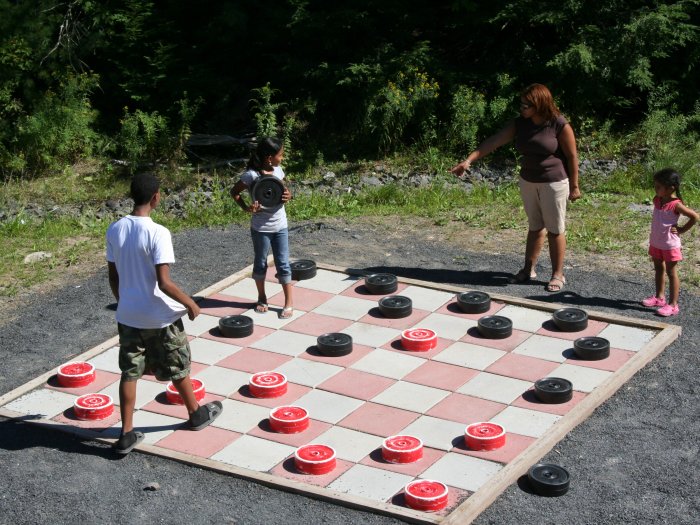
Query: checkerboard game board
x=376 y=391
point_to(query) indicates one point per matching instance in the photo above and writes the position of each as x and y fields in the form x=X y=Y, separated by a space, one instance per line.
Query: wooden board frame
x=475 y=504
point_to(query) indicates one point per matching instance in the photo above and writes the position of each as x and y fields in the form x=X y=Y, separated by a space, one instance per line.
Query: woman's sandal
x=521 y=277
x=552 y=285
x=261 y=307
x=286 y=313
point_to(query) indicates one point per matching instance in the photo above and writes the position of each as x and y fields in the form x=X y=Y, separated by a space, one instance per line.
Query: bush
x=144 y=138
x=58 y=132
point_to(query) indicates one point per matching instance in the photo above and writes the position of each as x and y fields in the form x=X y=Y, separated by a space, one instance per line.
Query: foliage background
x=130 y=78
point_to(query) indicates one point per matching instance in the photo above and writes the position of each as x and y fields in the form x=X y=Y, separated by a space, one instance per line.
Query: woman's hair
x=541 y=98
x=669 y=177
x=269 y=146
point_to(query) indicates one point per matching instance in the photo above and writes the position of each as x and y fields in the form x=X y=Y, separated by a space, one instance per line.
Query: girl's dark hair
x=669 y=177
x=269 y=146
x=143 y=187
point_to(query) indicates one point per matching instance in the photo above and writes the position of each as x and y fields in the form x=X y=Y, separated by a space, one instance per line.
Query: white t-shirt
x=135 y=245
x=267 y=219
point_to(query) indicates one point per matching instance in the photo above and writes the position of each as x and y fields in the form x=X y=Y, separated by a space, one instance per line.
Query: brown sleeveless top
x=541 y=157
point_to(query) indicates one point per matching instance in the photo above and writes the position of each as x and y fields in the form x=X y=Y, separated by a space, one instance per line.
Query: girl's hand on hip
x=255 y=207
x=286 y=195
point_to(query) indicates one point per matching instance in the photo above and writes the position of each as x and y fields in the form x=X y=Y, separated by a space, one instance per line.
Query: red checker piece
x=174 y=397
x=314 y=459
x=267 y=384
x=93 y=407
x=402 y=449
x=418 y=339
x=289 y=419
x=484 y=436
x=76 y=374
x=426 y=494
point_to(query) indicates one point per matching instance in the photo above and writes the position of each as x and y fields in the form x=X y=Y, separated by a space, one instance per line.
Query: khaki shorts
x=164 y=351
x=545 y=204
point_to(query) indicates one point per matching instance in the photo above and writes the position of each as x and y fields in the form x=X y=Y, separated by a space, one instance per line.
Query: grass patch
x=602 y=222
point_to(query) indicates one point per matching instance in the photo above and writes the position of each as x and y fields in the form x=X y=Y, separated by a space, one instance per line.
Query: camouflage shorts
x=163 y=351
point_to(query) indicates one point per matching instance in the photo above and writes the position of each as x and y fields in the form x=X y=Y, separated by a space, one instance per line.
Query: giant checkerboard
x=376 y=391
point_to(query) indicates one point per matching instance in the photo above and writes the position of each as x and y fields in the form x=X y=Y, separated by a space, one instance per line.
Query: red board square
x=160 y=405
x=204 y=443
x=441 y=375
x=294 y=392
x=550 y=329
x=102 y=380
x=612 y=363
x=376 y=317
x=360 y=291
x=379 y=420
x=452 y=308
x=258 y=333
x=67 y=417
x=465 y=409
x=396 y=346
x=287 y=470
x=316 y=324
x=528 y=400
x=222 y=305
x=358 y=352
x=253 y=361
x=430 y=456
x=515 y=444
x=304 y=299
x=522 y=367
x=508 y=344
x=355 y=383
x=316 y=428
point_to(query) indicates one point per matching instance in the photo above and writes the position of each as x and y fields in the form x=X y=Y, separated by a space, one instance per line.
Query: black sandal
x=127 y=442
x=205 y=415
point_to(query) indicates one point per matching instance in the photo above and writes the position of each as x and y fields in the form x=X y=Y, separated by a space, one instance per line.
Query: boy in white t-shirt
x=149 y=310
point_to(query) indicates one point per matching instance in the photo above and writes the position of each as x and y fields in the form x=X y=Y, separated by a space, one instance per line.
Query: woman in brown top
x=548 y=177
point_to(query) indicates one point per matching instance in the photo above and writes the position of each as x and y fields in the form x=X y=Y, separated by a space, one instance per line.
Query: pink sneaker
x=654 y=301
x=668 y=310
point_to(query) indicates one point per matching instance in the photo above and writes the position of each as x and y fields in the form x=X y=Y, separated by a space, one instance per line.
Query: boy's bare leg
x=127 y=403
x=184 y=388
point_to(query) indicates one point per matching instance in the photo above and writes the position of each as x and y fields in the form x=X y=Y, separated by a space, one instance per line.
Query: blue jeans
x=279 y=242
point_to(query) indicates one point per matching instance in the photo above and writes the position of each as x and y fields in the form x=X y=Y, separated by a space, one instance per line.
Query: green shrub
x=468 y=109
x=143 y=138
x=59 y=131
x=408 y=96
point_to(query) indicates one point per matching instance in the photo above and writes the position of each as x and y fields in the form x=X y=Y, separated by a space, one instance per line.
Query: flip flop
x=521 y=277
x=286 y=313
x=205 y=415
x=553 y=286
x=127 y=442
x=261 y=307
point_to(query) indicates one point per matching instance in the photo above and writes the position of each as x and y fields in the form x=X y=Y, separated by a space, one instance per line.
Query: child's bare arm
x=172 y=290
x=236 y=193
x=113 y=279
x=692 y=216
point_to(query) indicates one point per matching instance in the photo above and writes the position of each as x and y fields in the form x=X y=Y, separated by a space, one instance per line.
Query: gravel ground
x=635 y=460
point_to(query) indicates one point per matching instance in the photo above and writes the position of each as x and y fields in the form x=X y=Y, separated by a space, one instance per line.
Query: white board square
x=461 y=471
x=495 y=388
x=447 y=326
x=240 y=417
x=368 y=482
x=201 y=324
x=345 y=307
x=543 y=347
x=209 y=352
x=222 y=381
x=526 y=319
x=254 y=453
x=326 y=281
x=286 y=343
x=435 y=432
x=627 y=337
x=44 y=403
x=326 y=406
x=349 y=444
x=469 y=355
x=584 y=378
x=426 y=298
x=307 y=372
x=107 y=361
x=525 y=422
x=246 y=289
x=410 y=396
x=388 y=364
x=370 y=334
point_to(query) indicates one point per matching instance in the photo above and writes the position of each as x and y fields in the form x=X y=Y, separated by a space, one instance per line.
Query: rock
x=370 y=181
x=152 y=486
x=36 y=257
x=329 y=176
